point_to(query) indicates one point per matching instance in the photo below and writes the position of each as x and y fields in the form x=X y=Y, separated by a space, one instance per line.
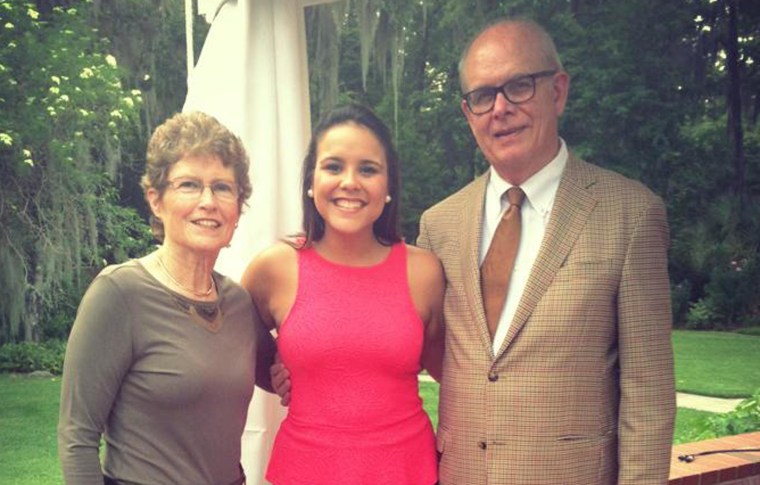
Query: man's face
x=516 y=139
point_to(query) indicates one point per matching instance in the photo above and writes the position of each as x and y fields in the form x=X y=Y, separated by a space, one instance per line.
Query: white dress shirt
x=539 y=190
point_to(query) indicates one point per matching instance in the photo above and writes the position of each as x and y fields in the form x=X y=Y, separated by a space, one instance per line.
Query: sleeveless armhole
x=299 y=270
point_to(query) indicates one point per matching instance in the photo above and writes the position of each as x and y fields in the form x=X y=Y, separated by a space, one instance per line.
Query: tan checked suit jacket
x=582 y=390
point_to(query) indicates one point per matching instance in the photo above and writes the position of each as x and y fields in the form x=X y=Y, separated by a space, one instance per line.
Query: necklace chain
x=201 y=294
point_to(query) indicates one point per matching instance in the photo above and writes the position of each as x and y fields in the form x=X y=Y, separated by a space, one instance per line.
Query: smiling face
x=516 y=139
x=196 y=224
x=350 y=182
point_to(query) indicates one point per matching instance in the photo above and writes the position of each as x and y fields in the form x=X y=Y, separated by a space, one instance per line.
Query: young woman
x=357 y=313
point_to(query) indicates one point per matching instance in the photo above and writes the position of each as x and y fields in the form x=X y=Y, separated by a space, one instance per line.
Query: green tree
x=65 y=114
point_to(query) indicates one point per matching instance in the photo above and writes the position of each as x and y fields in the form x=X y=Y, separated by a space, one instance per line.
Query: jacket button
x=493 y=376
x=482 y=445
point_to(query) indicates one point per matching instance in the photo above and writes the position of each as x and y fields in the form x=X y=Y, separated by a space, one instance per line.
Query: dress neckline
x=393 y=248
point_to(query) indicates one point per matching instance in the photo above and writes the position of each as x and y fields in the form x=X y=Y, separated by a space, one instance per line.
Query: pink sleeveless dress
x=352 y=343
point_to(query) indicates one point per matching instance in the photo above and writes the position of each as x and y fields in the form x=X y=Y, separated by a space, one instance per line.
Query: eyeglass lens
x=516 y=91
x=194 y=188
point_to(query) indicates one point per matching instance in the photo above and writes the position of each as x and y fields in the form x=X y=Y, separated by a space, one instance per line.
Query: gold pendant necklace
x=198 y=294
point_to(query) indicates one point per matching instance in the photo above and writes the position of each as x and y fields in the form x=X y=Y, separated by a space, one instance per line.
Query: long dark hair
x=385 y=228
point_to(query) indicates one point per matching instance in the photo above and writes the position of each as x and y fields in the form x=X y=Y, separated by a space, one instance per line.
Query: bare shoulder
x=422 y=258
x=269 y=266
x=424 y=266
x=426 y=284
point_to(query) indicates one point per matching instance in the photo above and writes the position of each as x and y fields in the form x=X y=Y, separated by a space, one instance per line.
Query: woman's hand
x=280 y=380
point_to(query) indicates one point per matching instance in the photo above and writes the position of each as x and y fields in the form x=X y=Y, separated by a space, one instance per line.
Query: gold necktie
x=500 y=259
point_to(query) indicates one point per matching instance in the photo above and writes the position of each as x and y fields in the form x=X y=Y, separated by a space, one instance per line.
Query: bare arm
x=427 y=285
x=271 y=280
x=266 y=351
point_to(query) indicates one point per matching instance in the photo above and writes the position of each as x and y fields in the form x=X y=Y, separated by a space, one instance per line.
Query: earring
x=310 y=193
x=388 y=199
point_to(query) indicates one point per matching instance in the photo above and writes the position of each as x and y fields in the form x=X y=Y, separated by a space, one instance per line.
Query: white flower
x=28 y=157
x=6 y=139
x=111 y=60
x=86 y=73
x=33 y=14
x=55 y=79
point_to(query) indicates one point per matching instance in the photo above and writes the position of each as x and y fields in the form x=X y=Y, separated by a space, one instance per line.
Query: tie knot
x=515 y=196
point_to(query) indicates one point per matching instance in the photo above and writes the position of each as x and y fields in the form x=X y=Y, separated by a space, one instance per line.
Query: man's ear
x=465 y=110
x=561 y=88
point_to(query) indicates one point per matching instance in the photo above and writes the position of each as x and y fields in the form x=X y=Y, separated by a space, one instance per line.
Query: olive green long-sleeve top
x=166 y=390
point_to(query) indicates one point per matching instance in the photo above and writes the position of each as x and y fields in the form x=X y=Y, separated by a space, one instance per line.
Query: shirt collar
x=540 y=188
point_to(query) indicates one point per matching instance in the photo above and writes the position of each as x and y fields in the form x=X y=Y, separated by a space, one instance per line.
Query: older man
x=568 y=379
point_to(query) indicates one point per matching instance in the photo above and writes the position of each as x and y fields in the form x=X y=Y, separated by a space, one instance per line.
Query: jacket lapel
x=572 y=206
x=472 y=229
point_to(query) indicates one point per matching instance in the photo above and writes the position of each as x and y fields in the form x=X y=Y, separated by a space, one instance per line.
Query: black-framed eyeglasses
x=519 y=90
x=192 y=188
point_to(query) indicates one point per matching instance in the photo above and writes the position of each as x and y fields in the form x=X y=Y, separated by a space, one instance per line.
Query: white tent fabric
x=252 y=76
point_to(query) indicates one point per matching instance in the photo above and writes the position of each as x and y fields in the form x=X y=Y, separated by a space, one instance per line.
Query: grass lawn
x=719 y=364
x=28 y=418
x=429 y=395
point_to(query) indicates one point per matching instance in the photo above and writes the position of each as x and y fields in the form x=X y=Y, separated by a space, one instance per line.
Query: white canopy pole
x=252 y=76
x=189 y=48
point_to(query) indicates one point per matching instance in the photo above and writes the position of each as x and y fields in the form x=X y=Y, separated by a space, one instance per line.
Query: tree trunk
x=734 y=99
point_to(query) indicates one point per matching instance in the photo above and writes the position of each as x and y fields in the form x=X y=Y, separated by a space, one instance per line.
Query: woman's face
x=199 y=208
x=350 y=179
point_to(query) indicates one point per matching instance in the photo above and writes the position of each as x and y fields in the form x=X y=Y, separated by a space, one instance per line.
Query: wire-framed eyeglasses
x=519 y=90
x=192 y=188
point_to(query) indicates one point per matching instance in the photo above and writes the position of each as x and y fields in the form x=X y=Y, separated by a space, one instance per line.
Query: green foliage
x=701 y=316
x=64 y=115
x=744 y=419
x=750 y=330
x=716 y=257
x=32 y=356
x=687 y=422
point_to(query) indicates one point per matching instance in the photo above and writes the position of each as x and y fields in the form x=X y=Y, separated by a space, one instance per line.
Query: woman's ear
x=153 y=197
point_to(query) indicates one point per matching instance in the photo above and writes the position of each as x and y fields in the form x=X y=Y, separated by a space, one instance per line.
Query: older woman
x=161 y=360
